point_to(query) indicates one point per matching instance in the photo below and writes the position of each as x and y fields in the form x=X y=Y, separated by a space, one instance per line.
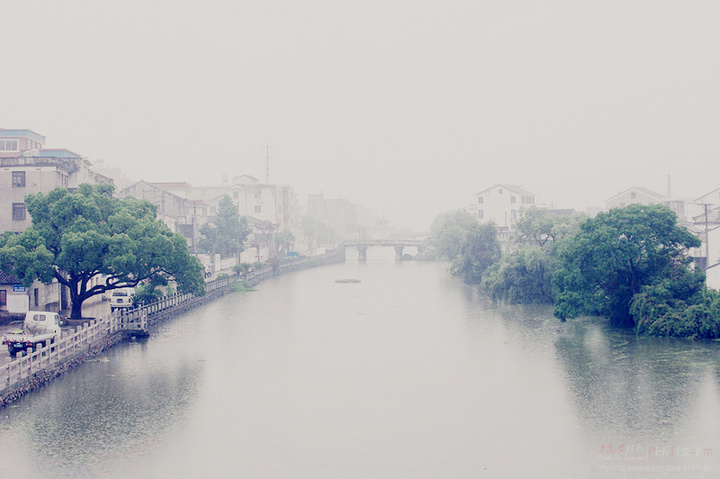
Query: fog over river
x=406 y=374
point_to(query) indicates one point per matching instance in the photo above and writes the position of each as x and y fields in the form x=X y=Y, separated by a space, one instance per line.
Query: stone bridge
x=362 y=246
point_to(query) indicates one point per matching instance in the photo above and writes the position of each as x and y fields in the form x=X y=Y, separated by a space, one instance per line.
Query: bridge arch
x=398 y=244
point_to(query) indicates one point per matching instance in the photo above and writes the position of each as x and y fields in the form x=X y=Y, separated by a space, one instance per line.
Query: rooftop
x=7 y=133
x=58 y=153
x=514 y=188
x=6 y=278
x=641 y=189
x=180 y=185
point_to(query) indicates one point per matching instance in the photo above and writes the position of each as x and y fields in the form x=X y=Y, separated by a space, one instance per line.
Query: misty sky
x=409 y=107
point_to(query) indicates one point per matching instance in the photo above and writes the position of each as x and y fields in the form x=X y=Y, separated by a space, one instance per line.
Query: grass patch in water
x=348 y=280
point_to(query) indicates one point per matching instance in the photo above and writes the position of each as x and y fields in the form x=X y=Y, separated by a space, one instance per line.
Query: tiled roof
x=6 y=278
x=514 y=188
x=57 y=153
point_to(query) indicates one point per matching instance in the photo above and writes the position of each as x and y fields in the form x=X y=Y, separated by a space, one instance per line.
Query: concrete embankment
x=155 y=315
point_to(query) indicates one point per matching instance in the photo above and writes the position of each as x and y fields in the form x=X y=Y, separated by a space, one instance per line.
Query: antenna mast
x=267 y=164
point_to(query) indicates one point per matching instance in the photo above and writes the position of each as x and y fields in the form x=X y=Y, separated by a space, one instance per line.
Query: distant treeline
x=629 y=265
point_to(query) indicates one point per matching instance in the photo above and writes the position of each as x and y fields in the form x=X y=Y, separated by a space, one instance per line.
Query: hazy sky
x=409 y=107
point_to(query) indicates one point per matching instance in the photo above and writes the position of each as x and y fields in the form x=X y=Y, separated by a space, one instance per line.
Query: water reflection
x=643 y=388
x=102 y=412
x=408 y=373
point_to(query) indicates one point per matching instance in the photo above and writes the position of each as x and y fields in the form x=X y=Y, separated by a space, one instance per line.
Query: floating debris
x=348 y=281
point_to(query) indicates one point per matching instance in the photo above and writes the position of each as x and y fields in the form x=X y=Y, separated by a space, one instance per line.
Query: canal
x=406 y=373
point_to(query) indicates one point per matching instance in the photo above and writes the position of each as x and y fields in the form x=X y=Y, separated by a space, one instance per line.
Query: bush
x=146 y=294
x=658 y=313
x=242 y=285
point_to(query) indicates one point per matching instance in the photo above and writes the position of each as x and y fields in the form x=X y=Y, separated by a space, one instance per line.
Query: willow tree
x=87 y=234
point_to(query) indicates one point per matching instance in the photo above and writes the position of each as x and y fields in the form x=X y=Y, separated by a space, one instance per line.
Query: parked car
x=121 y=298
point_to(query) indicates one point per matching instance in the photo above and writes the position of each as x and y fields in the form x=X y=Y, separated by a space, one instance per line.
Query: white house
x=501 y=204
x=634 y=195
x=637 y=195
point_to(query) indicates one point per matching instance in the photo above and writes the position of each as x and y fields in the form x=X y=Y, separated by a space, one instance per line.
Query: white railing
x=69 y=344
x=72 y=343
x=75 y=342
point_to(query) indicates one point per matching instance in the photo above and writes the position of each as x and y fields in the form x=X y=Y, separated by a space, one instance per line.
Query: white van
x=121 y=298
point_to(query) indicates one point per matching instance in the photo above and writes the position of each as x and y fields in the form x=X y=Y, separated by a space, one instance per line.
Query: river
x=406 y=374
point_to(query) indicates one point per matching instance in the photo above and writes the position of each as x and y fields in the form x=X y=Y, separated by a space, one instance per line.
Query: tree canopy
x=524 y=274
x=284 y=242
x=447 y=232
x=471 y=247
x=76 y=237
x=629 y=265
x=226 y=236
x=615 y=255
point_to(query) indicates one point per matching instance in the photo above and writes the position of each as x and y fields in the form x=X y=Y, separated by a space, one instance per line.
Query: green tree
x=523 y=276
x=226 y=236
x=614 y=256
x=678 y=305
x=448 y=232
x=284 y=242
x=478 y=250
x=76 y=237
x=535 y=225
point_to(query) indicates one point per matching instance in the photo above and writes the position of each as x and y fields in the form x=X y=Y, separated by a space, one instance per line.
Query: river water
x=406 y=374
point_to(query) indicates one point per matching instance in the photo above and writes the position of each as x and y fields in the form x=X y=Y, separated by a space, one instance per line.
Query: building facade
x=28 y=168
x=338 y=214
x=501 y=204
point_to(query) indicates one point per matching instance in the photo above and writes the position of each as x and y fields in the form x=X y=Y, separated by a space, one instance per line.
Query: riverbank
x=155 y=313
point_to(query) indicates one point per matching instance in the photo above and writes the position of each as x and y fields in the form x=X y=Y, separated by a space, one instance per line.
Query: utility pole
x=707 y=239
x=707 y=233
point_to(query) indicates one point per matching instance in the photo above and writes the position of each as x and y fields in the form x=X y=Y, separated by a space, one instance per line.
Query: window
x=9 y=145
x=632 y=195
x=512 y=199
x=36 y=296
x=480 y=200
x=62 y=180
x=18 y=179
x=481 y=214
x=3 y=298
x=513 y=214
x=18 y=212
x=257 y=209
x=236 y=194
x=500 y=191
